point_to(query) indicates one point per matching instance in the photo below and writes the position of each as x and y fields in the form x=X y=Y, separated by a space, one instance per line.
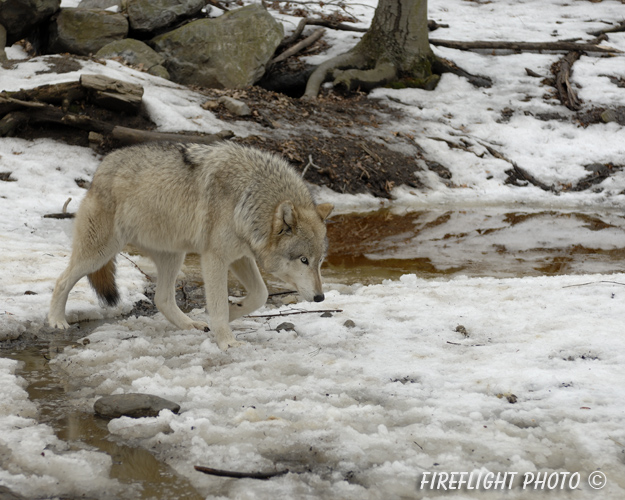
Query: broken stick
x=240 y=475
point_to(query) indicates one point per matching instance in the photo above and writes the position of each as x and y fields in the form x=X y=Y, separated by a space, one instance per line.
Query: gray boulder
x=133 y=405
x=150 y=15
x=135 y=53
x=85 y=31
x=99 y=4
x=230 y=51
x=19 y=17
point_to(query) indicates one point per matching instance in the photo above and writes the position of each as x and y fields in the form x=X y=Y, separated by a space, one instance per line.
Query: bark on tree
x=396 y=46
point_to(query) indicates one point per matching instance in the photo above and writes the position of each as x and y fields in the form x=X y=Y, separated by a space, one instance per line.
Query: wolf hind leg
x=93 y=250
x=247 y=272
x=80 y=265
x=167 y=266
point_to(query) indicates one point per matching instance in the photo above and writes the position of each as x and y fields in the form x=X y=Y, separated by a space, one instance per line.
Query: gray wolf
x=233 y=205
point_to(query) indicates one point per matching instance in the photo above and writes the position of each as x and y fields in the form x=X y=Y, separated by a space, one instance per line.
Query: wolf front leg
x=167 y=267
x=215 y=272
x=246 y=271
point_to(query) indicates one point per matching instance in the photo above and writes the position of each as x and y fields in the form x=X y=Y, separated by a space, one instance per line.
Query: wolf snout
x=319 y=297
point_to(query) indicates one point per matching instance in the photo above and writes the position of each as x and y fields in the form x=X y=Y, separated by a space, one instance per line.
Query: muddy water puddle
x=136 y=468
x=369 y=248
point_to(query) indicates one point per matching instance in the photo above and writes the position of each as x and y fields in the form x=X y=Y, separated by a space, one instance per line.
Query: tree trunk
x=396 y=46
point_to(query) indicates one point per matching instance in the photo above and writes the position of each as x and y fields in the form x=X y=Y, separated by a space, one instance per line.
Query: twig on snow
x=63 y=215
x=240 y=475
x=595 y=283
x=291 y=313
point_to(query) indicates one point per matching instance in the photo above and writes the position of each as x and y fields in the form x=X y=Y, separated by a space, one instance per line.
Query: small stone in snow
x=133 y=405
x=289 y=327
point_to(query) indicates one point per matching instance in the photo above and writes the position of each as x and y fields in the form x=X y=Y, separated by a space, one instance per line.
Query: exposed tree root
x=365 y=79
x=351 y=60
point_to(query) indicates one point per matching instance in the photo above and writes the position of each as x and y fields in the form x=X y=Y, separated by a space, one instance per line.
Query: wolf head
x=299 y=245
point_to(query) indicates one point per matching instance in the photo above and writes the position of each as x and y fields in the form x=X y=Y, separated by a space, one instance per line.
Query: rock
x=19 y=17
x=327 y=314
x=135 y=53
x=614 y=115
x=133 y=405
x=238 y=108
x=84 y=31
x=349 y=324
x=99 y=4
x=150 y=15
x=230 y=51
x=286 y=326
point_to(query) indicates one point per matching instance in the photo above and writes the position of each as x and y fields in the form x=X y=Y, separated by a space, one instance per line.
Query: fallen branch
x=127 y=135
x=240 y=475
x=291 y=313
x=615 y=29
x=517 y=173
x=295 y=35
x=36 y=112
x=63 y=215
x=562 y=71
x=526 y=46
x=441 y=65
x=335 y=26
x=306 y=42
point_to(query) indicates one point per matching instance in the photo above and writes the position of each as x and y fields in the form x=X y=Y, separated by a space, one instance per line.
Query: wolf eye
x=304 y=261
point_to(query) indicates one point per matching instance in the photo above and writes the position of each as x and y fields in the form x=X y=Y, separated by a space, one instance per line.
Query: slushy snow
x=362 y=410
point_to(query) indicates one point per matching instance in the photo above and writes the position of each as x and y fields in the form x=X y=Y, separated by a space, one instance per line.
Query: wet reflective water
x=371 y=247
x=144 y=475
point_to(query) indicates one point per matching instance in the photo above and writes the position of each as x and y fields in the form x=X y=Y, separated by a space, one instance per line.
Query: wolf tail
x=103 y=282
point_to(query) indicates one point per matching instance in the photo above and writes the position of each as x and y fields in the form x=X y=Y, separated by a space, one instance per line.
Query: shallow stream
x=369 y=248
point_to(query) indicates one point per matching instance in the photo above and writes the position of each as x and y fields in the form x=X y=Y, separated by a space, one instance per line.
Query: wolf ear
x=284 y=218
x=324 y=210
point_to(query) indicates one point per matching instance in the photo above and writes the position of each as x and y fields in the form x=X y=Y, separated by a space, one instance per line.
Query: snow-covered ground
x=363 y=411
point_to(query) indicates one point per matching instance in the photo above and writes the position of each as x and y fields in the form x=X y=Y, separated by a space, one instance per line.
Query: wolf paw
x=224 y=345
x=60 y=323
x=200 y=325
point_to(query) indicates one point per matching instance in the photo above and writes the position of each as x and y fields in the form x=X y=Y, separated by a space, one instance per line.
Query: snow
x=356 y=412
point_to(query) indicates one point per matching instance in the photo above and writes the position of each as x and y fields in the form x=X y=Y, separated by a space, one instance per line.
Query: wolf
x=235 y=206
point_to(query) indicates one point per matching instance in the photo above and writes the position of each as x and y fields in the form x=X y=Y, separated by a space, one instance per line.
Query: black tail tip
x=319 y=298
x=111 y=298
